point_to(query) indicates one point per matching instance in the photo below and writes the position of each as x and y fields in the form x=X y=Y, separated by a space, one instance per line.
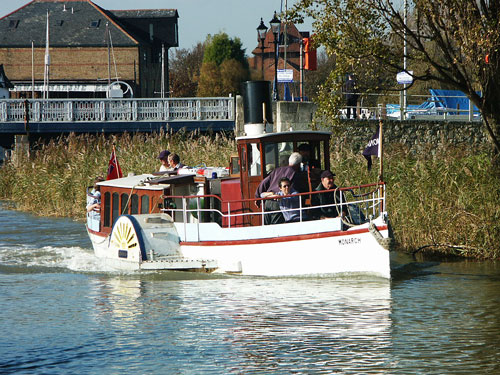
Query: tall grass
x=444 y=201
x=52 y=181
x=448 y=201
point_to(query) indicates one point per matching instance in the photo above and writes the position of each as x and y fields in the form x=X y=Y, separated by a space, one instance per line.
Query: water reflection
x=256 y=325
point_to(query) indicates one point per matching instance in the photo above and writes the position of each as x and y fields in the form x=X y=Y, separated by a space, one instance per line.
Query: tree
x=224 y=66
x=220 y=48
x=454 y=43
x=232 y=73
x=185 y=70
x=209 y=83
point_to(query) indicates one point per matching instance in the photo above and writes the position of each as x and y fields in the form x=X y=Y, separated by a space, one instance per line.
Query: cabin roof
x=136 y=182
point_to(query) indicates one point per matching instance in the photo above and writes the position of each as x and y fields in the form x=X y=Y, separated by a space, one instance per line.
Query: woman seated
x=290 y=206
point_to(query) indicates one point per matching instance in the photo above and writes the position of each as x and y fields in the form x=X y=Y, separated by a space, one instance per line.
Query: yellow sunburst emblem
x=124 y=236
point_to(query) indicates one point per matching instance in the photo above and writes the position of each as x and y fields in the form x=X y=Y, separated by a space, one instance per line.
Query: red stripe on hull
x=300 y=237
x=100 y=234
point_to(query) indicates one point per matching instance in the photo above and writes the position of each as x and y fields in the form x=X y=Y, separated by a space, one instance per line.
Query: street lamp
x=261 y=33
x=275 y=27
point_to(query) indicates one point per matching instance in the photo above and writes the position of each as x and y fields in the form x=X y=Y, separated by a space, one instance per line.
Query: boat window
x=277 y=154
x=123 y=208
x=254 y=159
x=107 y=209
x=134 y=204
x=115 y=207
x=244 y=158
x=145 y=204
x=234 y=165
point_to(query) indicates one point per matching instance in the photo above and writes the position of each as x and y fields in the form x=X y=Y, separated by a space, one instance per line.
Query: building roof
x=72 y=23
x=293 y=35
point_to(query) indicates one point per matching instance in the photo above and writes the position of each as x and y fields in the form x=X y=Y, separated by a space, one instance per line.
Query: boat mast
x=162 y=70
x=32 y=69
x=47 y=63
x=109 y=54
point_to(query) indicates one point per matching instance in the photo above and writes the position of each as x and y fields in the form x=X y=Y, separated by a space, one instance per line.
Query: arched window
x=134 y=204
x=107 y=209
x=115 y=207
x=145 y=204
x=123 y=207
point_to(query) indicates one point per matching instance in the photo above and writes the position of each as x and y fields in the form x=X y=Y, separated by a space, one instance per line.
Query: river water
x=62 y=313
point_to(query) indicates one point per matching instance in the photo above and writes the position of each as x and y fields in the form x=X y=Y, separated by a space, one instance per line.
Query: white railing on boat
x=99 y=110
x=359 y=205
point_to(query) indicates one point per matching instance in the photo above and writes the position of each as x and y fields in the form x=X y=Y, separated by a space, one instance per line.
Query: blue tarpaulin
x=438 y=100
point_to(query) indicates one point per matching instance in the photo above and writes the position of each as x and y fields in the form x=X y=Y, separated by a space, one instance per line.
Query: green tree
x=453 y=43
x=185 y=70
x=220 y=48
x=224 y=66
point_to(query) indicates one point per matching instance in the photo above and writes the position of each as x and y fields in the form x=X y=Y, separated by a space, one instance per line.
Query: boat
x=207 y=219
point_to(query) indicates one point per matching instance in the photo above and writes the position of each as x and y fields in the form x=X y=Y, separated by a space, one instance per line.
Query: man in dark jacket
x=351 y=96
x=329 y=198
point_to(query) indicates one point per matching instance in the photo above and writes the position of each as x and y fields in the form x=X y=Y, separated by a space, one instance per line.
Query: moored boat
x=209 y=220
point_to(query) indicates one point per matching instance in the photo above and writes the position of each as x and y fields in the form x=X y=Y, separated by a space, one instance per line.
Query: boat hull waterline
x=154 y=242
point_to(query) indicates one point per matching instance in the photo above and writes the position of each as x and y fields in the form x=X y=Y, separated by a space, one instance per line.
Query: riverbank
x=447 y=201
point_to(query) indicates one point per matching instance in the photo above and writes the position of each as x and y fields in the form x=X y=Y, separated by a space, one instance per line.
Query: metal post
x=471 y=111
x=262 y=56
x=301 y=63
x=275 y=93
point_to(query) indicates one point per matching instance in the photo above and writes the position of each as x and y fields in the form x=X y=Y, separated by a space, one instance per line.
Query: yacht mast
x=47 y=63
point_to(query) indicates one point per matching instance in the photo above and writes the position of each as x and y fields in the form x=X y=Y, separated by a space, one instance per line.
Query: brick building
x=89 y=46
x=266 y=56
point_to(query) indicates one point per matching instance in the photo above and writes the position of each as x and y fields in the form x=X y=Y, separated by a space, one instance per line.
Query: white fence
x=100 y=110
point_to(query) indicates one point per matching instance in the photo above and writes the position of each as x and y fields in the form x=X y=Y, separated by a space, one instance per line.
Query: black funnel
x=254 y=94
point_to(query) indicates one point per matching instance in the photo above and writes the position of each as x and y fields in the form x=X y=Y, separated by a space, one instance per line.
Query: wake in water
x=25 y=258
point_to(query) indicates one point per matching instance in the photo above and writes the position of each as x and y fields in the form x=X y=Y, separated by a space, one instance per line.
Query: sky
x=198 y=18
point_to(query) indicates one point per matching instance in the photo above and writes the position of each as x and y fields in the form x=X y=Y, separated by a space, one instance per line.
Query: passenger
x=305 y=150
x=288 y=203
x=163 y=156
x=329 y=198
x=175 y=162
x=271 y=184
x=94 y=206
x=269 y=168
x=314 y=172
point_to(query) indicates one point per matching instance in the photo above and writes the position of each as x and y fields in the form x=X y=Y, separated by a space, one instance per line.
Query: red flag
x=114 y=170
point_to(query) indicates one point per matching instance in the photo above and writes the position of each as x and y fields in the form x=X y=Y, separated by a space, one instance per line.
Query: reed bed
x=53 y=179
x=446 y=202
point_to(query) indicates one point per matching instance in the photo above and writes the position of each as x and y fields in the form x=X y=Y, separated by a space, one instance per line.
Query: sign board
x=285 y=75
x=404 y=78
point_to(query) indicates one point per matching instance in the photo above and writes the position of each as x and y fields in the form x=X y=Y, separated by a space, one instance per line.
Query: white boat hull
x=307 y=248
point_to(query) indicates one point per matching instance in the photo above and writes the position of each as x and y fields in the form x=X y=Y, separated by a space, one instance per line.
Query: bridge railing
x=97 y=110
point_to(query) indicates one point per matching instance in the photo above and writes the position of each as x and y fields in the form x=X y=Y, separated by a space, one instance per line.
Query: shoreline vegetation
x=445 y=202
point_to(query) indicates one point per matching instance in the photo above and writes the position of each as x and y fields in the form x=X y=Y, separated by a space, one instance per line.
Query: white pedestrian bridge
x=19 y=116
